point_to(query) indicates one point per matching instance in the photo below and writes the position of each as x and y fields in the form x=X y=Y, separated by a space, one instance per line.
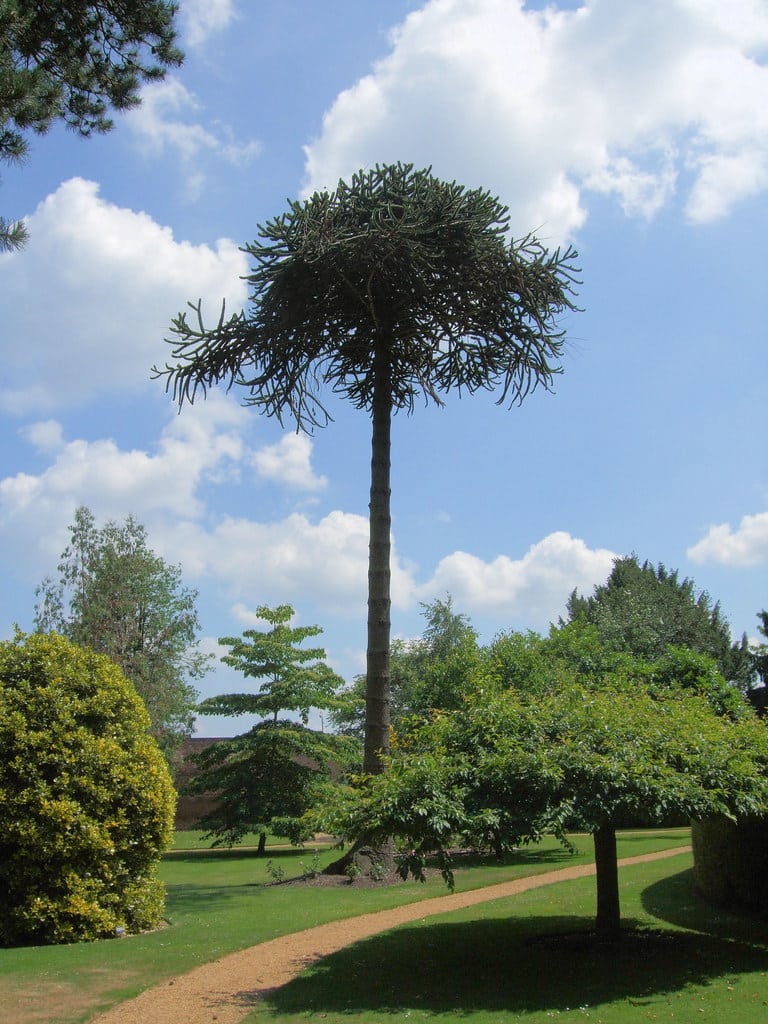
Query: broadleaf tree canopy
x=645 y=609
x=509 y=767
x=295 y=678
x=270 y=776
x=113 y=594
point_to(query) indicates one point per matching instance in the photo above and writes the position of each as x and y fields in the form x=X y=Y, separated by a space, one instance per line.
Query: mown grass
x=531 y=958
x=221 y=901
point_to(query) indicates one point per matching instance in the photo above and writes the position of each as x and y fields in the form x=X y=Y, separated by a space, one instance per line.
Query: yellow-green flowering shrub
x=86 y=799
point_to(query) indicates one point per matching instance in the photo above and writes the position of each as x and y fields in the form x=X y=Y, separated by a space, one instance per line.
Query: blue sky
x=638 y=131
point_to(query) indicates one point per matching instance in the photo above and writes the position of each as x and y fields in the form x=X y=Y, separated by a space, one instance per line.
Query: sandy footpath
x=224 y=991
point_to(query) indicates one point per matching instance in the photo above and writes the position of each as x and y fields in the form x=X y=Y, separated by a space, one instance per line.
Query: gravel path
x=225 y=990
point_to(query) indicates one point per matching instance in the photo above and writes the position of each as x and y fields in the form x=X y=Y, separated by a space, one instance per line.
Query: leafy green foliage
x=760 y=651
x=645 y=609
x=574 y=651
x=270 y=777
x=73 y=61
x=114 y=595
x=433 y=671
x=267 y=779
x=680 y=668
x=86 y=799
x=508 y=767
x=296 y=678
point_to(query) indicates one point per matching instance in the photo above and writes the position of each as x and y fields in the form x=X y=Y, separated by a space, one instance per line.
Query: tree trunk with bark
x=608 y=921
x=379 y=571
x=377 y=700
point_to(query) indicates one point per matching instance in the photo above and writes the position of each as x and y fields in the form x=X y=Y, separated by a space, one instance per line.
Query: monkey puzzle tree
x=393 y=287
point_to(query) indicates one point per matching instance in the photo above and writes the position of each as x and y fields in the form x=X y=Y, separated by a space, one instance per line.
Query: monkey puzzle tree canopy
x=394 y=287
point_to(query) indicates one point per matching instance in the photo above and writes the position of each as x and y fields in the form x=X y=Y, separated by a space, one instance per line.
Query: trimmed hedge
x=86 y=798
x=731 y=862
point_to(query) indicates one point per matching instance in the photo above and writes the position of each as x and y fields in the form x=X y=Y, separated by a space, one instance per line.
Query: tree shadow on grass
x=185 y=900
x=506 y=965
x=219 y=853
x=674 y=899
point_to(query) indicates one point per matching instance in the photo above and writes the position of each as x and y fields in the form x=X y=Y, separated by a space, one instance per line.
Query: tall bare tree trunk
x=377 y=698
x=379 y=572
x=608 y=922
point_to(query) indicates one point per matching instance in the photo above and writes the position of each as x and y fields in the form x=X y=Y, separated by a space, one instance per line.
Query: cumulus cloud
x=319 y=562
x=45 y=436
x=113 y=279
x=745 y=546
x=533 y=588
x=202 y=18
x=203 y=445
x=633 y=100
x=326 y=561
x=289 y=462
x=172 y=489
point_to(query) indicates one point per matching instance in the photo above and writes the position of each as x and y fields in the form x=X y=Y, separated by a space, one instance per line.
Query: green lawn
x=220 y=901
x=504 y=962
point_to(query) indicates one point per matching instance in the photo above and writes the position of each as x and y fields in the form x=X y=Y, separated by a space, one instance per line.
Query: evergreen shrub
x=86 y=798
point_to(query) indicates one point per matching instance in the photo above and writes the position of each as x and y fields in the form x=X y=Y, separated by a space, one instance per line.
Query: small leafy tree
x=393 y=287
x=295 y=678
x=86 y=799
x=118 y=597
x=509 y=767
x=270 y=776
x=73 y=61
x=267 y=779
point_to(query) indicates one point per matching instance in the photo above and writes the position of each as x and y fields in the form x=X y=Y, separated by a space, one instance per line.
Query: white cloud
x=272 y=562
x=545 y=106
x=202 y=18
x=289 y=462
x=114 y=279
x=747 y=545
x=534 y=588
x=45 y=436
x=155 y=123
x=319 y=562
x=165 y=122
x=157 y=487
